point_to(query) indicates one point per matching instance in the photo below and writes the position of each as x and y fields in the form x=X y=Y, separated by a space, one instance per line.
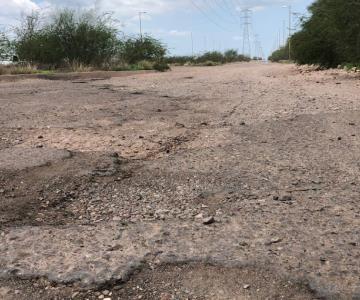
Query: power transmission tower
x=246 y=23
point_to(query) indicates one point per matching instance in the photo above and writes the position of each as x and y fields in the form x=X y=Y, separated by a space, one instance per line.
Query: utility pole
x=284 y=32
x=192 y=44
x=140 y=14
x=246 y=22
x=290 y=25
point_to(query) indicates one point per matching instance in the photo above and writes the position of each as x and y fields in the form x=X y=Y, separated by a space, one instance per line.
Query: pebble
x=209 y=220
x=274 y=240
x=246 y=286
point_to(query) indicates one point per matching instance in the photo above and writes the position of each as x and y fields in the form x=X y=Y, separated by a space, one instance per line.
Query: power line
x=207 y=17
x=229 y=11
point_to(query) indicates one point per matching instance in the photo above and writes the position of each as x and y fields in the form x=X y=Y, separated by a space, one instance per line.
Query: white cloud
x=179 y=33
x=11 y=10
x=124 y=10
x=121 y=8
x=260 y=4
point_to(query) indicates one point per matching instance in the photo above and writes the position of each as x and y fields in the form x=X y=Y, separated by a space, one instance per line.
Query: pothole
x=184 y=281
x=19 y=158
x=203 y=281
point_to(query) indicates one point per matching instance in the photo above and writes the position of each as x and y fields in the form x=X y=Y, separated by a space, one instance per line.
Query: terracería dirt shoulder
x=231 y=182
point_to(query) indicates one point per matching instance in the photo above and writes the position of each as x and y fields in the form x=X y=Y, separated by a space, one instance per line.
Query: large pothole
x=184 y=281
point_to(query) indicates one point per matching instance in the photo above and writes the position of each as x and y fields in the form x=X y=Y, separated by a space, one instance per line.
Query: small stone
x=246 y=286
x=209 y=221
x=339 y=138
x=40 y=137
x=274 y=240
x=39 y=146
x=101 y=297
x=242 y=123
x=199 y=216
x=105 y=292
x=114 y=154
x=179 y=125
x=286 y=198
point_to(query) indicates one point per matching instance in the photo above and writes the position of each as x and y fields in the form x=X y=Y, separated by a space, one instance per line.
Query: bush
x=145 y=65
x=180 y=60
x=231 y=55
x=209 y=58
x=213 y=56
x=161 y=66
x=67 y=38
x=331 y=36
x=209 y=63
x=134 y=50
x=280 y=54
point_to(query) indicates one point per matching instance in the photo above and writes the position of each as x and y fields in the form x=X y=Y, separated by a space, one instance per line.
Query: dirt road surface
x=231 y=182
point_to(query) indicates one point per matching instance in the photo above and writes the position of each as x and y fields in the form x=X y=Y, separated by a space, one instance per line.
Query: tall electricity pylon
x=246 y=23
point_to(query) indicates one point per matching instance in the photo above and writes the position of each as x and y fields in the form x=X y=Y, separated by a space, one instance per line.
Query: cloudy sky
x=213 y=24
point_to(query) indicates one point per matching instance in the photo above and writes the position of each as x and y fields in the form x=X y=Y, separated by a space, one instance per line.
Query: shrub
x=180 y=60
x=67 y=38
x=280 y=54
x=145 y=65
x=213 y=56
x=208 y=58
x=161 y=66
x=210 y=63
x=134 y=50
x=331 y=36
x=231 y=55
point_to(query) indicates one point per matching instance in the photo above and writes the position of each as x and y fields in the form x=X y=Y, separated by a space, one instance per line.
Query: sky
x=185 y=26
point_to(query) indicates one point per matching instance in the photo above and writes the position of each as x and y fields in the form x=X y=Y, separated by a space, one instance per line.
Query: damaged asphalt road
x=170 y=186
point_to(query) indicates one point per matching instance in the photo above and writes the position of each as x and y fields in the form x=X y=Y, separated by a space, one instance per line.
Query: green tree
x=67 y=38
x=331 y=36
x=133 y=50
x=280 y=54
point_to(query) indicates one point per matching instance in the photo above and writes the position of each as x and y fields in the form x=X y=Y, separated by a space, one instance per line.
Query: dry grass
x=17 y=69
x=79 y=67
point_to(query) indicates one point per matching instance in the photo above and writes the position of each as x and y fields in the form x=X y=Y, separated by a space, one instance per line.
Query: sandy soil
x=231 y=182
